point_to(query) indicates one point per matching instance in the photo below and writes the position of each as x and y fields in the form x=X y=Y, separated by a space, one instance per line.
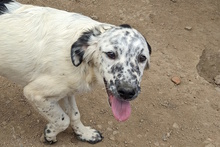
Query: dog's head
x=121 y=54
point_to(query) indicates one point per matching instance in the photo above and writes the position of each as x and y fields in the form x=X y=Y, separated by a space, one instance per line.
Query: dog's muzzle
x=127 y=92
x=119 y=99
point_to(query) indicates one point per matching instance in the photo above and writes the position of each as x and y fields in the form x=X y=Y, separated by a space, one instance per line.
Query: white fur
x=35 y=44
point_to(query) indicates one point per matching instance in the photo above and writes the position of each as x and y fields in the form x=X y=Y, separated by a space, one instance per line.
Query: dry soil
x=185 y=39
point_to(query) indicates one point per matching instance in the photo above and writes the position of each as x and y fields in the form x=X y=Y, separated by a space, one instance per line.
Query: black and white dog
x=54 y=54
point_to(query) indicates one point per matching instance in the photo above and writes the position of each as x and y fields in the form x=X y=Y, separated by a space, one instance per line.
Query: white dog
x=54 y=54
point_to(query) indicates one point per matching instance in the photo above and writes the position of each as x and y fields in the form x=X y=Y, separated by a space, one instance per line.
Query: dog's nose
x=126 y=92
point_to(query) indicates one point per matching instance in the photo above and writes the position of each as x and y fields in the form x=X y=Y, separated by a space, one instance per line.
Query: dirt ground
x=185 y=39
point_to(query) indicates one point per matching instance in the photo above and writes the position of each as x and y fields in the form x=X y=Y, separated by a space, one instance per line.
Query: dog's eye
x=141 y=58
x=111 y=55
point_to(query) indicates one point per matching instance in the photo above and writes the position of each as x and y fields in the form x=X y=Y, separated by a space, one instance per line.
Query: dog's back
x=33 y=39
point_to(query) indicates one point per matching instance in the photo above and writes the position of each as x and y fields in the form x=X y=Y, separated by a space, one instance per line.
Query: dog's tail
x=7 y=6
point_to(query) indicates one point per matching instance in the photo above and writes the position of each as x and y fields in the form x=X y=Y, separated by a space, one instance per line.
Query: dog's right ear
x=79 y=48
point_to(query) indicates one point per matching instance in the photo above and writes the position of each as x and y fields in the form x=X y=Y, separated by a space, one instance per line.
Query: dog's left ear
x=149 y=49
x=79 y=48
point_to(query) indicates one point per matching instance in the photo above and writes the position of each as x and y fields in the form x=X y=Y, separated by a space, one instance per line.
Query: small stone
x=208 y=140
x=8 y=101
x=139 y=136
x=110 y=122
x=176 y=126
x=210 y=145
x=166 y=136
x=94 y=17
x=99 y=126
x=29 y=113
x=217 y=80
x=112 y=138
x=176 y=80
x=141 y=120
x=115 y=132
x=188 y=28
x=109 y=129
x=217 y=88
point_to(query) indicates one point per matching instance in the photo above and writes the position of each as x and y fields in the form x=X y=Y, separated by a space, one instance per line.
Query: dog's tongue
x=121 y=109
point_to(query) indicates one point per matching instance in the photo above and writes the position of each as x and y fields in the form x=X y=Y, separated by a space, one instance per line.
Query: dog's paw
x=44 y=140
x=89 y=135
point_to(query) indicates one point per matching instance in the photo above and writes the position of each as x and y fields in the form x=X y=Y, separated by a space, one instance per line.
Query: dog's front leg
x=83 y=133
x=51 y=110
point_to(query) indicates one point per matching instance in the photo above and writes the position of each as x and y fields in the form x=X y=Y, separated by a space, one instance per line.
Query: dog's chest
x=83 y=81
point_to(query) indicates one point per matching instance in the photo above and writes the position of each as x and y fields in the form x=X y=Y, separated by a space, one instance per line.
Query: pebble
x=110 y=123
x=94 y=17
x=112 y=138
x=115 y=132
x=139 y=136
x=29 y=113
x=176 y=80
x=109 y=129
x=188 y=28
x=8 y=101
x=99 y=126
x=176 y=126
x=210 y=145
x=166 y=136
x=217 y=88
x=217 y=80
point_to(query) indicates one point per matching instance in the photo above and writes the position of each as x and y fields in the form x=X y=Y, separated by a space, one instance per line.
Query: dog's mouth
x=121 y=109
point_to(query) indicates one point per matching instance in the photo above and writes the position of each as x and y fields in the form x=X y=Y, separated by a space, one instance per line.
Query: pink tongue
x=121 y=109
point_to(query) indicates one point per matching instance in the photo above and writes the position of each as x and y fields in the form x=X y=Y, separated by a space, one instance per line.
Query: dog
x=55 y=54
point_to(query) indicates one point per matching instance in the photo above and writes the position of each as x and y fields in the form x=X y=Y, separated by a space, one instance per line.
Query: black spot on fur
x=3 y=8
x=76 y=113
x=127 y=33
x=48 y=131
x=117 y=68
x=63 y=117
x=125 y=26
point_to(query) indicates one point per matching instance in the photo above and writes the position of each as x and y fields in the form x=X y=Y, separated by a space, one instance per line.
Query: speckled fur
x=39 y=47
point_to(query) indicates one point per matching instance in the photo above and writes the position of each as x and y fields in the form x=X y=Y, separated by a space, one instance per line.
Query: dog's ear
x=149 y=49
x=125 y=26
x=88 y=38
x=78 y=48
